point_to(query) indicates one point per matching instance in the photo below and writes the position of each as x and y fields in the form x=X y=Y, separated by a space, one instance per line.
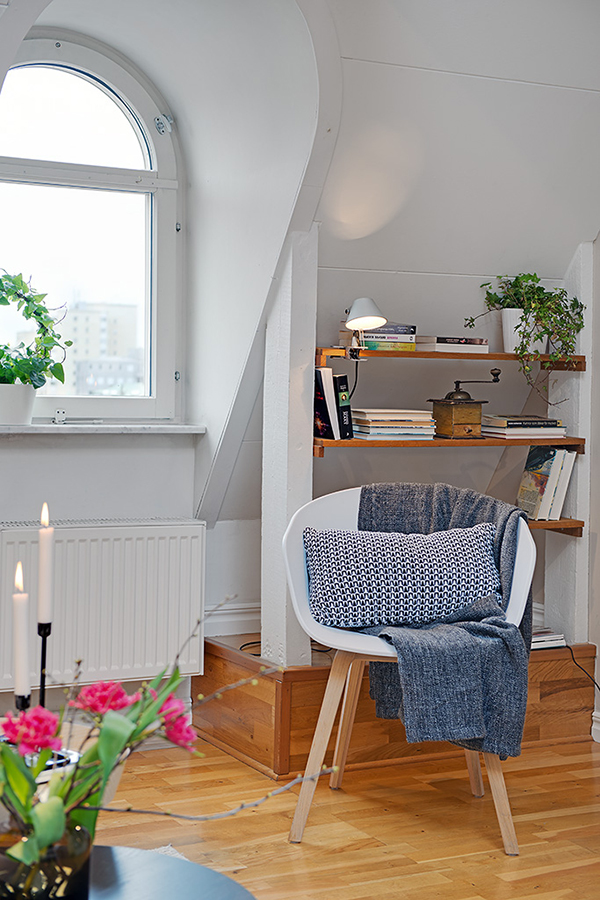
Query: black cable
x=356 y=362
x=250 y=644
x=591 y=677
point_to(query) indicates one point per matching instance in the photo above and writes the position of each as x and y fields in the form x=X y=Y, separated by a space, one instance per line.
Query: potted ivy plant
x=534 y=318
x=23 y=368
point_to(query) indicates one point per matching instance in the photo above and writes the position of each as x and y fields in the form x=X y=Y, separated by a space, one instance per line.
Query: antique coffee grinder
x=458 y=415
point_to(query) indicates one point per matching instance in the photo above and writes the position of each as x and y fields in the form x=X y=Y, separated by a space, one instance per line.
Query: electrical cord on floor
x=591 y=677
x=313 y=646
x=250 y=644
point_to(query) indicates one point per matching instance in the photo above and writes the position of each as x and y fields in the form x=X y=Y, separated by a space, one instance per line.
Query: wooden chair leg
x=331 y=701
x=474 y=770
x=353 y=685
x=498 y=789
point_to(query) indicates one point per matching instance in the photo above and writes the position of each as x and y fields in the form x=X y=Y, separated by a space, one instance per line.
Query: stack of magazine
x=544 y=482
x=544 y=638
x=395 y=424
x=391 y=336
x=430 y=343
x=505 y=426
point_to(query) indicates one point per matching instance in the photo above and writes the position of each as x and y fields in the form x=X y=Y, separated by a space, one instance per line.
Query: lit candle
x=20 y=636
x=45 y=567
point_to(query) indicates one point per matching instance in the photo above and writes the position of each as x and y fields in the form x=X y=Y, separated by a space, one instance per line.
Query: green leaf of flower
x=49 y=821
x=18 y=776
x=26 y=850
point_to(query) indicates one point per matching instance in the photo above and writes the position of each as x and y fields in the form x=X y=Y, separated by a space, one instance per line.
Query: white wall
x=240 y=81
x=468 y=148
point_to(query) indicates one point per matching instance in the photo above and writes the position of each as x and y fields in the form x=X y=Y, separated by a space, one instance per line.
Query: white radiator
x=127 y=594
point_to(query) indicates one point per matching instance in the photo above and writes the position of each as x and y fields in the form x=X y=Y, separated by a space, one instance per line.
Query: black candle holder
x=44 y=631
x=22 y=702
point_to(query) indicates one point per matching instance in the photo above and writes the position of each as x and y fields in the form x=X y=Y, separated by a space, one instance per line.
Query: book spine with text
x=342 y=396
x=323 y=427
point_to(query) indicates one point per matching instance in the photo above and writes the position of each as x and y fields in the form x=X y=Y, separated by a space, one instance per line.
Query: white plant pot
x=16 y=404
x=511 y=320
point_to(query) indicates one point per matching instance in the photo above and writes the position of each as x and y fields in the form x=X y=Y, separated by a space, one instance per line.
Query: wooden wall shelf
x=573 y=527
x=576 y=364
x=574 y=443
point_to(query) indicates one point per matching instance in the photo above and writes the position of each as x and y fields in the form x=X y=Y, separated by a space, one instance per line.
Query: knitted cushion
x=360 y=578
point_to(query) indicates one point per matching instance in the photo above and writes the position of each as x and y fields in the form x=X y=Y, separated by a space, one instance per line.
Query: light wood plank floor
x=411 y=832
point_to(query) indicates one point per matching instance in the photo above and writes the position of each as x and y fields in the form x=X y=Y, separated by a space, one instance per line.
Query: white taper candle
x=20 y=636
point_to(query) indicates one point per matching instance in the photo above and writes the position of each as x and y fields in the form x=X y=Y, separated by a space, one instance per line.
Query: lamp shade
x=364 y=314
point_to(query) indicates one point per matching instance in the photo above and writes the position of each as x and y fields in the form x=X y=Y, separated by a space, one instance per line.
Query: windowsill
x=104 y=428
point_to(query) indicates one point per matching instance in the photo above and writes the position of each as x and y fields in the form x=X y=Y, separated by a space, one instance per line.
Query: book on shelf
x=344 y=410
x=451 y=348
x=401 y=436
x=519 y=421
x=391 y=330
x=500 y=432
x=392 y=338
x=405 y=415
x=558 y=501
x=548 y=497
x=540 y=475
x=432 y=344
x=326 y=423
x=388 y=346
x=544 y=638
x=392 y=431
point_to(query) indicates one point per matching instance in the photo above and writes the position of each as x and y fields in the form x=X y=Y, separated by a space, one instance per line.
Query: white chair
x=340 y=511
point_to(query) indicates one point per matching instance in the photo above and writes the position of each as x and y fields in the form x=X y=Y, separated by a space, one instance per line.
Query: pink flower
x=33 y=730
x=171 y=709
x=181 y=734
x=98 y=698
x=177 y=729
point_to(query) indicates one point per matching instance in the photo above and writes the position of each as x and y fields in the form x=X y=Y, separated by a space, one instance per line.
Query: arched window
x=89 y=203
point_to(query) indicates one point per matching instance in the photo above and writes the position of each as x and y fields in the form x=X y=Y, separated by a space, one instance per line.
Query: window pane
x=87 y=250
x=47 y=113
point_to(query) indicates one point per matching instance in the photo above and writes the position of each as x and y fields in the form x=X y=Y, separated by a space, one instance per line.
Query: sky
x=74 y=244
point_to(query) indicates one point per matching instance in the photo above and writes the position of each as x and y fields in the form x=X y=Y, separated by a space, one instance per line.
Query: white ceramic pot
x=511 y=319
x=16 y=404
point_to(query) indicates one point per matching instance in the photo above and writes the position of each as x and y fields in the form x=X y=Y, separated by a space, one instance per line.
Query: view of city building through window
x=87 y=248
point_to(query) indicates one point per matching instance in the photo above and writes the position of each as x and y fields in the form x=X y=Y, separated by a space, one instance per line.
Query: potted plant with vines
x=544 y=317
x=23 y=368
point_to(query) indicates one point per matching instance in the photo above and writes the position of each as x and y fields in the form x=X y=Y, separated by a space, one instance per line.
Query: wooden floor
x=408 y=832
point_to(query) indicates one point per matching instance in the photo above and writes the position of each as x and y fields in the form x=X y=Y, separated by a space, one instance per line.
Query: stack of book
x=544 y=482
x=434 y=344
x=543 y=638
x=391 y=336
x=332 y=415
x=395 y=424
x=521 y=426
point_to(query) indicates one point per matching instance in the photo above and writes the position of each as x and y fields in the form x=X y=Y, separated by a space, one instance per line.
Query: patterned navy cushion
x=359 y=578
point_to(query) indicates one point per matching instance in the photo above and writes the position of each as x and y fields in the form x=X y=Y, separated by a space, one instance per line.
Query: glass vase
x=63 y=870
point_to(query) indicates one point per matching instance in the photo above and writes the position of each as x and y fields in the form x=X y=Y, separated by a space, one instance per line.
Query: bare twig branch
x=299 y=779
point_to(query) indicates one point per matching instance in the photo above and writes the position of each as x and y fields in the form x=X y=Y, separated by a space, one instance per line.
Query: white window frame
x=142 y=105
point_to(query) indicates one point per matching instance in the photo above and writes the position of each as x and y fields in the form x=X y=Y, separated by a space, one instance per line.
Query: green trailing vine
x=33 y=363
x=545 y=314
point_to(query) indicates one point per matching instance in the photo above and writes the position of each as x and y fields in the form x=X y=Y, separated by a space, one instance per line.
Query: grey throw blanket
x=463 y=680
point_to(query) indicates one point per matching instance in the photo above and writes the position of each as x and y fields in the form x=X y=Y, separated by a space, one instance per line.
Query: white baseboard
x=234 y=617
x=596 y=727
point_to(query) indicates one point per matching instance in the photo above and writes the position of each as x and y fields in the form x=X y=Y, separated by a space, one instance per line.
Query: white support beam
x=287 y=439
x=566 y=590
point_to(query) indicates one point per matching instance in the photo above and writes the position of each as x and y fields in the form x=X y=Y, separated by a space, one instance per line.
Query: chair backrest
x=340 y=511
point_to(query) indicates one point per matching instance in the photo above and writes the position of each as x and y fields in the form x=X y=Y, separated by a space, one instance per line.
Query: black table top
x=125 y=873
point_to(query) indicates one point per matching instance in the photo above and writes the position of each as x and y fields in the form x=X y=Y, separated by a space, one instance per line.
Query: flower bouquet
x=44 y=853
